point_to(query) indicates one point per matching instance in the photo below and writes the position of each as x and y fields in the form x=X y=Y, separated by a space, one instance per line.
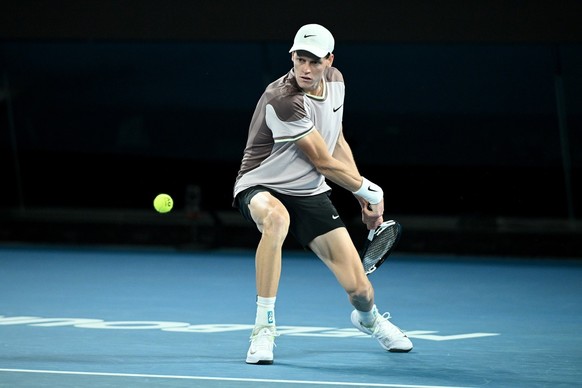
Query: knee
x=277 y=221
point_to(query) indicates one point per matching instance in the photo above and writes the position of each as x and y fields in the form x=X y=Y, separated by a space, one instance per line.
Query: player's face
x=309 y=70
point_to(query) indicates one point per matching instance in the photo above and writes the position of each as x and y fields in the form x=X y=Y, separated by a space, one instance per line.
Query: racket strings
x=378 y=247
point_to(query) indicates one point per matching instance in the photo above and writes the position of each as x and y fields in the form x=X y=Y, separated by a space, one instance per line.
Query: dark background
x=468 y=114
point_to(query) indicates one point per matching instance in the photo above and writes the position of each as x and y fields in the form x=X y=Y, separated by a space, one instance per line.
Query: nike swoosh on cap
x=308 y=36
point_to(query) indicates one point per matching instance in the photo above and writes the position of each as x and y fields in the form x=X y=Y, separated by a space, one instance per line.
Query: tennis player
x=295 y=143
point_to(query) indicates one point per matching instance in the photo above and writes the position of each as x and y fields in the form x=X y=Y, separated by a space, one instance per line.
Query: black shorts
x=310 y=216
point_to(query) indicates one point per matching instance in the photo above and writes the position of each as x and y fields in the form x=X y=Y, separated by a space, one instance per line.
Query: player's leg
x=336 y=249
x=272 y=220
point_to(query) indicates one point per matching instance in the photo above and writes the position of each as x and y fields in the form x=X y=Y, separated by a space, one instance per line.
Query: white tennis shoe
x=262 y=343
x=388 y=335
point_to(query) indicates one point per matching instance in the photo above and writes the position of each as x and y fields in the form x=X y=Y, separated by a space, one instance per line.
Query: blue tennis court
x=104 y=317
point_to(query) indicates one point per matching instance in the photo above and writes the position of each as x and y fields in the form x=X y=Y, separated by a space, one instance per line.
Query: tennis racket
x=379 y=244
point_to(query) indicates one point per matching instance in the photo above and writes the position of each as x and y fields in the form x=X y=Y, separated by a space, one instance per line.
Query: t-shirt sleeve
x=288 y=119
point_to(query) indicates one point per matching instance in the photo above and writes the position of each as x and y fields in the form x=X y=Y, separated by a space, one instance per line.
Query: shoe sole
x=261 y=362
x=258 y=361
x=399 y=350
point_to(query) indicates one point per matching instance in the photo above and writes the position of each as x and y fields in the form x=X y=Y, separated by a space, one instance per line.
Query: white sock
x=368 y=317
x=265 y=311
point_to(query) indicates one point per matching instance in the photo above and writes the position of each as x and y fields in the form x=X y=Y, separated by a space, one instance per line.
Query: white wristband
x=371 y=192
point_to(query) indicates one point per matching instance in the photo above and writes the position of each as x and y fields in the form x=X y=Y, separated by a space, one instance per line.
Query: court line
x=336 y=383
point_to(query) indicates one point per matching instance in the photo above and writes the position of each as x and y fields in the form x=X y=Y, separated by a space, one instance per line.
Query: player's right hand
x=372 y=215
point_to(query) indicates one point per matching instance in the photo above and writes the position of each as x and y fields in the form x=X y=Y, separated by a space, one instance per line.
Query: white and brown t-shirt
x=283 y=115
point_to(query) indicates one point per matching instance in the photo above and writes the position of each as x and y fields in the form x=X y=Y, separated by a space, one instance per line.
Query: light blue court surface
x=136 y=318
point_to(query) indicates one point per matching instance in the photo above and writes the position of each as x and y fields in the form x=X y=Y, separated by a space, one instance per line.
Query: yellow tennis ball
x=163 y=203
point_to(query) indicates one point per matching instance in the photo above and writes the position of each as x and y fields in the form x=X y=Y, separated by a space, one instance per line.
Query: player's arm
x=342 y=171
x=343 y=152
x=337 y=171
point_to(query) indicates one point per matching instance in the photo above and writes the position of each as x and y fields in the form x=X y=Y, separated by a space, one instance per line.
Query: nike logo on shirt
x=338 y=108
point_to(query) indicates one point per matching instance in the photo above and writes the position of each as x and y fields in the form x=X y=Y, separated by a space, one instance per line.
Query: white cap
x=314 y=38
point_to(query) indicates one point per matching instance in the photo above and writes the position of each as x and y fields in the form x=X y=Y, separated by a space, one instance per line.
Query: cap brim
x=318 y=52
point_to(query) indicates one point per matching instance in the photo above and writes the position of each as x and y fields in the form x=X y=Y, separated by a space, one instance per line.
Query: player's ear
x=330 y=59
x=292 y=56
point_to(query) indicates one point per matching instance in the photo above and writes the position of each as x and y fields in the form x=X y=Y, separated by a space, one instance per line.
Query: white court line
x=336 y=383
